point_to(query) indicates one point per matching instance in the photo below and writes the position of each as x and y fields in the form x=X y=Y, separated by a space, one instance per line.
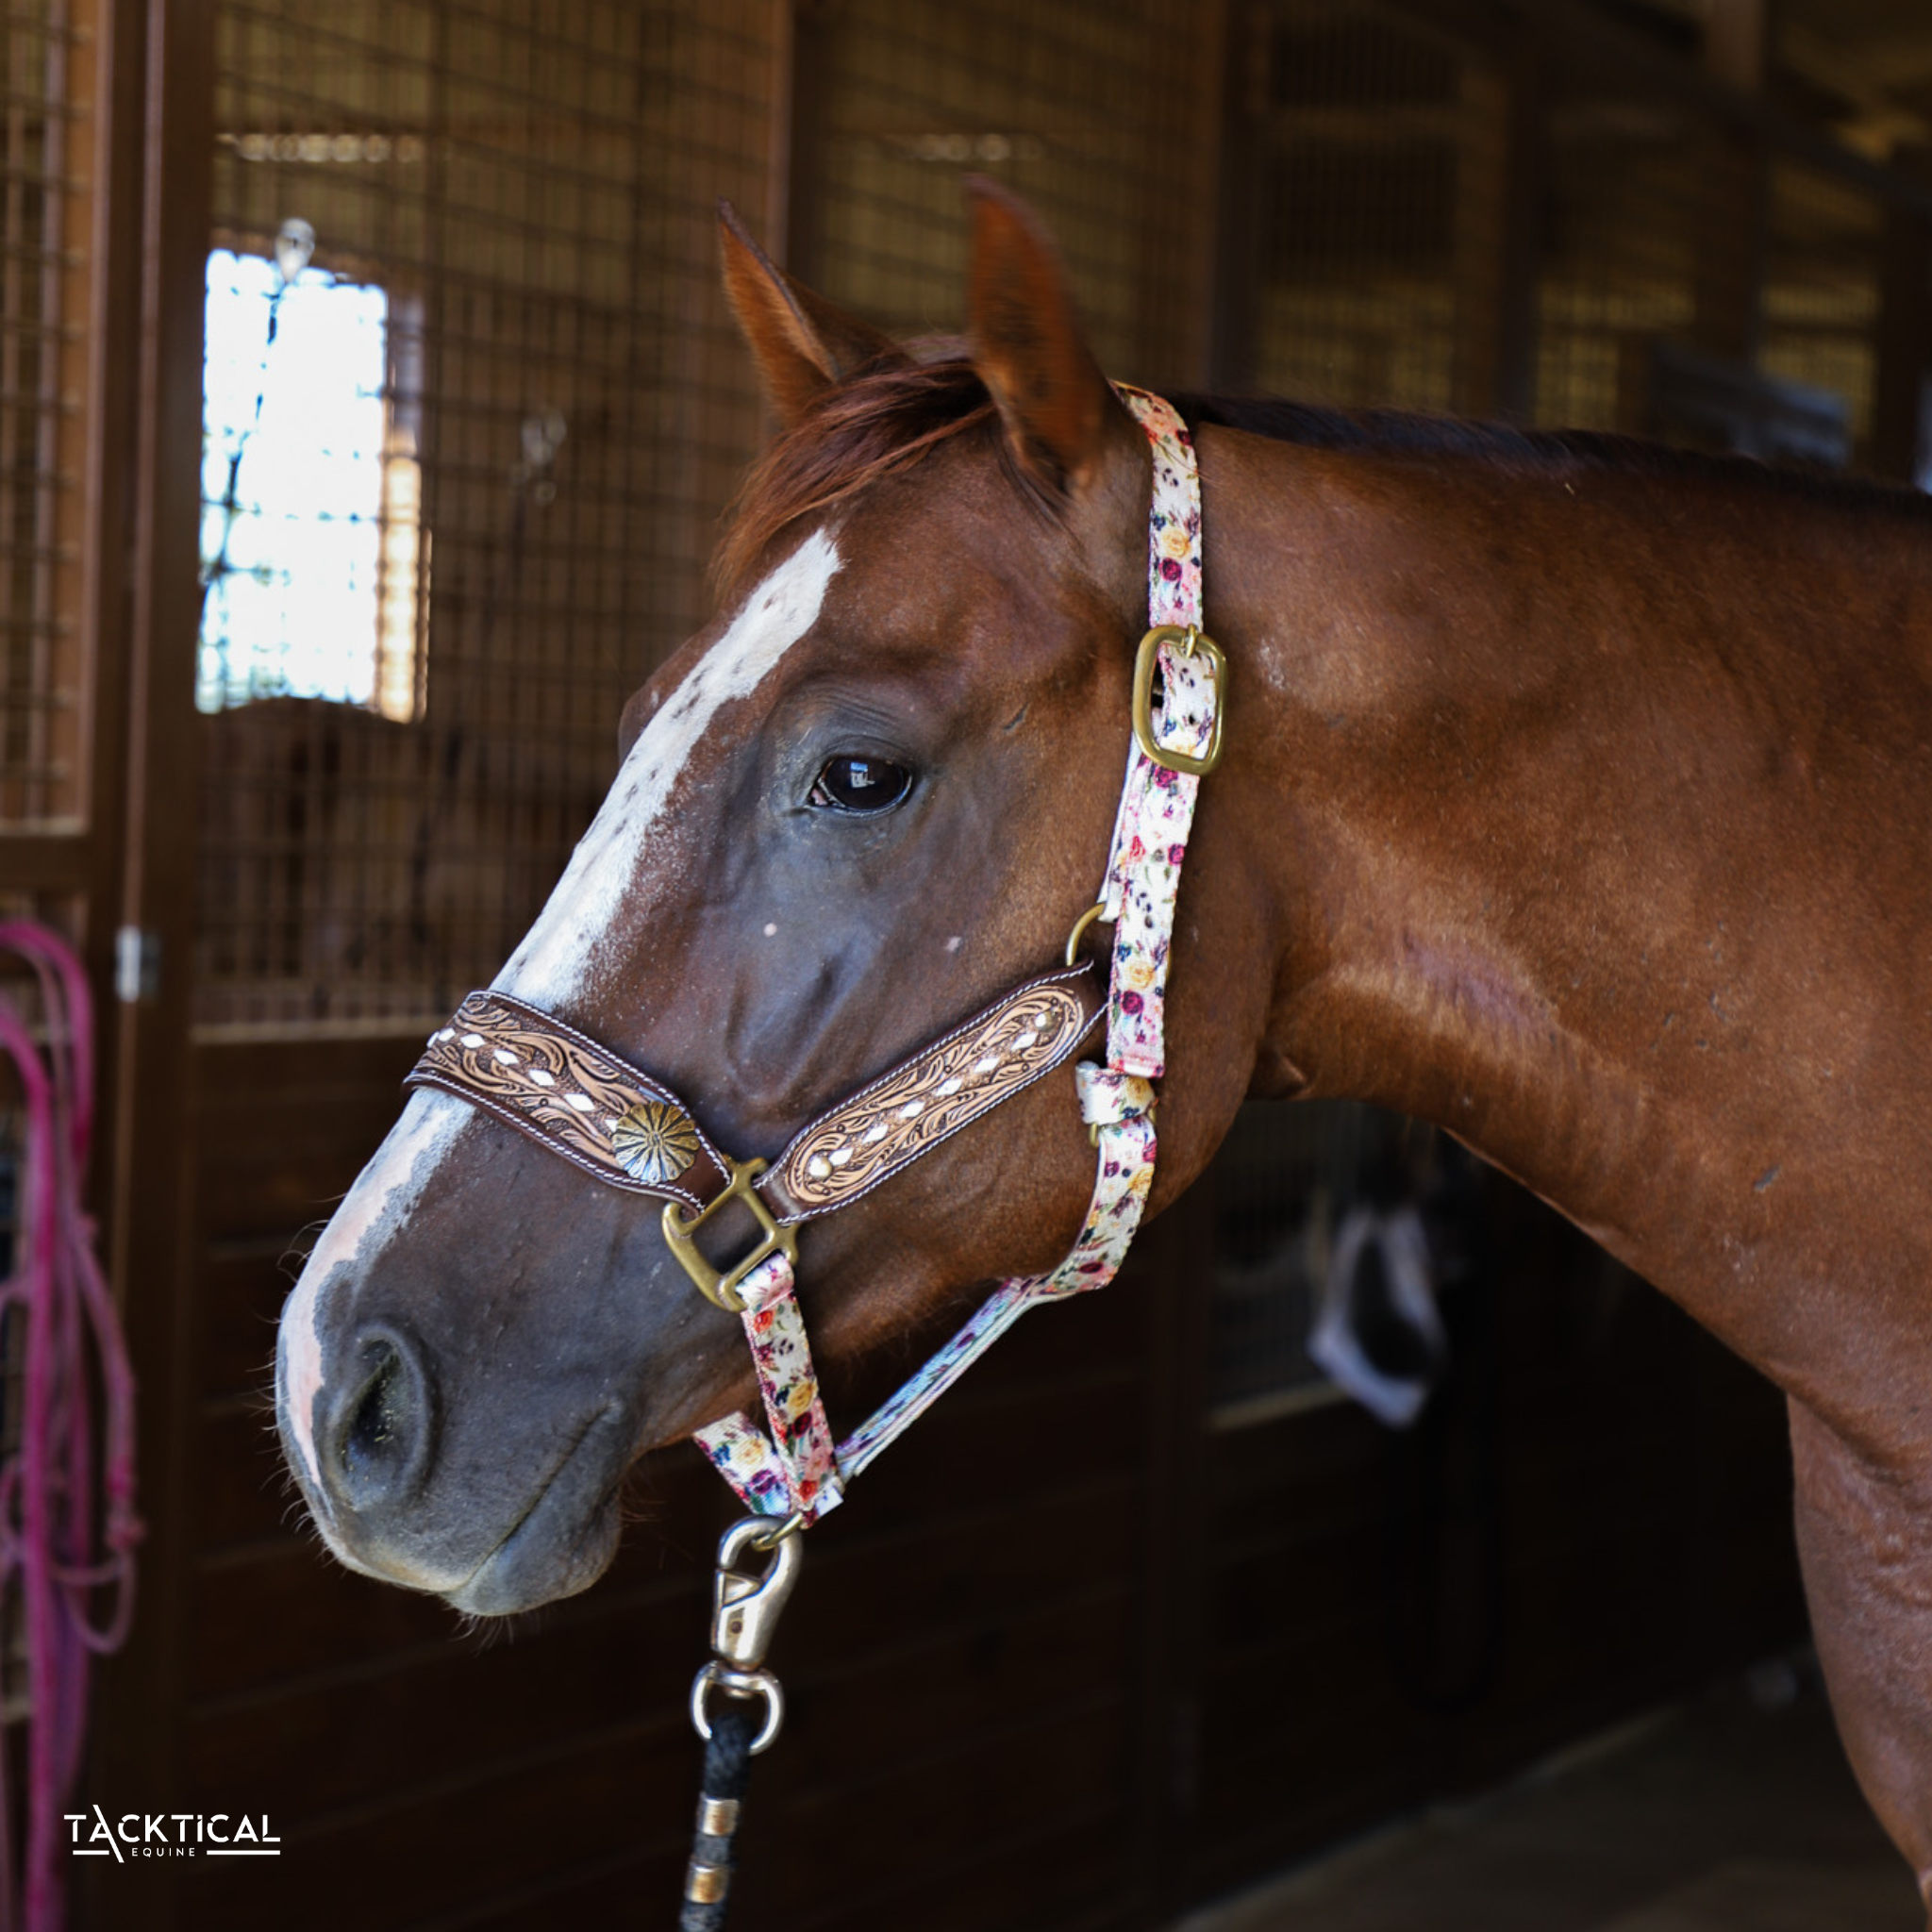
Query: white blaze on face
x=554 y=962
x=373 y=1211
x=555 y=958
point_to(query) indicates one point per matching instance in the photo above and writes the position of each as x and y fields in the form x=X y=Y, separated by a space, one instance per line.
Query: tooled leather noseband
x=628 y=1131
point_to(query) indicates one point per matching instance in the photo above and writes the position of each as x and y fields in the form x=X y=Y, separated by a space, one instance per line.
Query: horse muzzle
x=375 y=1438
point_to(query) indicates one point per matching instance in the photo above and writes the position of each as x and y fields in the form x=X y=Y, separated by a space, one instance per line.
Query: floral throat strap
x=793 y=1468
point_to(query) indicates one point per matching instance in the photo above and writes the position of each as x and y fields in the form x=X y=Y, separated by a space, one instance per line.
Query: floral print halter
x=791 y=1467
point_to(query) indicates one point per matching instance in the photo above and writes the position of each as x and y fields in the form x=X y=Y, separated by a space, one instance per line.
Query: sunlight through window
x=313 y=558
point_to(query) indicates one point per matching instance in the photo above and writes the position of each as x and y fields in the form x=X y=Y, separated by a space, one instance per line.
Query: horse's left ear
x=1060 y=412
x=801 y=342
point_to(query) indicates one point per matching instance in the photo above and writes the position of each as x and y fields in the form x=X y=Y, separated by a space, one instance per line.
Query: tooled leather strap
x=590 y=1105
x=888 y=1123
x=573 y=1097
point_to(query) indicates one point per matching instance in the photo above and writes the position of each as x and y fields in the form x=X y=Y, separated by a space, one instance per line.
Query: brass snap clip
x=1194 y=641
x=723 y=1288
x=745 y=1609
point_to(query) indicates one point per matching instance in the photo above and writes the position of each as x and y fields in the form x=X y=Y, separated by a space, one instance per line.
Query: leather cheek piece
x=580 y=1100
x=888 y=1124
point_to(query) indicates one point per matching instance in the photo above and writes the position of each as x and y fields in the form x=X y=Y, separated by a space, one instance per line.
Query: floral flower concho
x=792 y=1468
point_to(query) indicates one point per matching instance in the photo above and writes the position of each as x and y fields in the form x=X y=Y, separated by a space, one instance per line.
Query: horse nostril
x=378 y=1417
x=382 y=1442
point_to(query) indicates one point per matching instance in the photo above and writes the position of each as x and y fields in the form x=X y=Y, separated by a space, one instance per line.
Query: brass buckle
x=1190 y=639
x=714 y=1286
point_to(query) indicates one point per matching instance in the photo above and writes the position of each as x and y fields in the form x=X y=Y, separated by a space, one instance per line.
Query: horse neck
x=1585 y=837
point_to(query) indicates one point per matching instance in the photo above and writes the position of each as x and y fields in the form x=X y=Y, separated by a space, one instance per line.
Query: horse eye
x=850 y=784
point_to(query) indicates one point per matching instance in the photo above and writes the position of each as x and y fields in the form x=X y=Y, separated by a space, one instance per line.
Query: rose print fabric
x=793 y=1469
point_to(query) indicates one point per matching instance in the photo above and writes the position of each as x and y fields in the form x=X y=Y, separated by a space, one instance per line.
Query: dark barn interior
x=1232 y=1622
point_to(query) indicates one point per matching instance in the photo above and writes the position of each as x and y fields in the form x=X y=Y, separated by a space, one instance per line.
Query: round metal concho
x=654 y=1141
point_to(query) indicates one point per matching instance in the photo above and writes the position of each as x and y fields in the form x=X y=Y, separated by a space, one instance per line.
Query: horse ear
x=801 y=342
x=1059 y=410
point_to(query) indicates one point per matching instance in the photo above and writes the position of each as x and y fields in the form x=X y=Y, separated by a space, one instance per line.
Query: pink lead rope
x=791 y=1467
x=49 y=1551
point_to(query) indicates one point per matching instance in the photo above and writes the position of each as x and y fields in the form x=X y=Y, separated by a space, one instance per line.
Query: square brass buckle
x=678 y=1229
x=1190 y=639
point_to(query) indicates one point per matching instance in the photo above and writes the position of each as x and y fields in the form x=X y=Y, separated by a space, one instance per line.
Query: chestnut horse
x=1576 y=798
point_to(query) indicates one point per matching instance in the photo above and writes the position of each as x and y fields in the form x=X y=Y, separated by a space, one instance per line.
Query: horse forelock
x=874 y=425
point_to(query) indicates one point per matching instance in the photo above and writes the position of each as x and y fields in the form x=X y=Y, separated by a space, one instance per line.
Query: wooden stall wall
x=1118 y=1626
x=1590 y=1517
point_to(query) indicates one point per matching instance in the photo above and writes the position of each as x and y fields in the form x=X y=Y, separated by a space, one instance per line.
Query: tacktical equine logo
x=170 y=1835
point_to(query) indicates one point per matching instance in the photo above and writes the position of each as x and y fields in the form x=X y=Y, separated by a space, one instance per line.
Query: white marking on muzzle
x=373 y=1211
x=554 y=962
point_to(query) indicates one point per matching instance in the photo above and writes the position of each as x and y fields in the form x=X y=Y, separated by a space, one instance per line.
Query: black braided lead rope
x=735 y=1723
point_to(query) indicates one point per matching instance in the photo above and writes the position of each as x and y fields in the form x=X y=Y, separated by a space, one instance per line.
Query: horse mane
x=1402 y=432
x=886 y=418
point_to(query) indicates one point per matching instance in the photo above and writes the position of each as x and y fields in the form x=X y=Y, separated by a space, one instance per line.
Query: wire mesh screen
x=1380 y=207
x=47 y=71
x=472 y=405
x=1694 y=288
x=1099 y=112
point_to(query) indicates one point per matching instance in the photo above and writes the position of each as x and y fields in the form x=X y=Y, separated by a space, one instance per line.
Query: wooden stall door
x=518 y=199
x=85 y=507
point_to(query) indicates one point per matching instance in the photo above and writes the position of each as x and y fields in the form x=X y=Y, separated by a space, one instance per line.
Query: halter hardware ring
x=1193 y=641
x=718 y=1676
x=721 y=1289
x=1079 y=931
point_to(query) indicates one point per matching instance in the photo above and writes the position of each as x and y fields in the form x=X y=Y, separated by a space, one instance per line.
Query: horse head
x=875 y=790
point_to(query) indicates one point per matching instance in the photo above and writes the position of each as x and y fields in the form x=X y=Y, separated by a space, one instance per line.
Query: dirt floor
x=1724 y=1816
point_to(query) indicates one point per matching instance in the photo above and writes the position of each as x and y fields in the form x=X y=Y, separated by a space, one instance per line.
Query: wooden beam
x=57 y=860
x=1878 y=120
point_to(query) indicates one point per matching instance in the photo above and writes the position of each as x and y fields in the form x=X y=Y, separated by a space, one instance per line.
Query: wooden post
x=141 y=1706
x=1735 y=215
x=1900 y=390
x=1499 y=170
x=1242 y=210
x=807 y=84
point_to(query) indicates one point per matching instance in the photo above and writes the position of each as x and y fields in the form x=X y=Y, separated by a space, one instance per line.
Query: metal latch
x=137 y=965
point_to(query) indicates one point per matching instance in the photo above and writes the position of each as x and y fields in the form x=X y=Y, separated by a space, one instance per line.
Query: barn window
x=314 y=555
